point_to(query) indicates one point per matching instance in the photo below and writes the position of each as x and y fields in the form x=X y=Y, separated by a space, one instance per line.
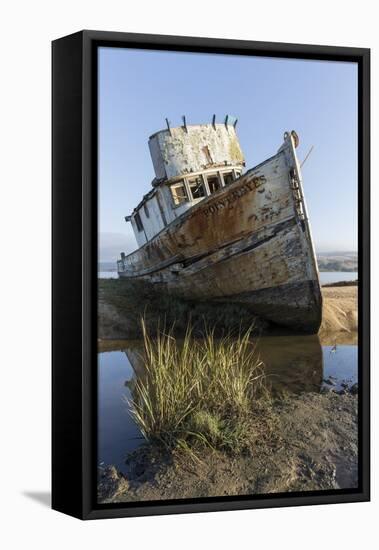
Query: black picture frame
x=74 y=271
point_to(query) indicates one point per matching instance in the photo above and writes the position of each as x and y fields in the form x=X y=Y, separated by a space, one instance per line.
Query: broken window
x=179 y=193
x=214 y=182
x=228 y=177
x=197 y=187
x=137 y=219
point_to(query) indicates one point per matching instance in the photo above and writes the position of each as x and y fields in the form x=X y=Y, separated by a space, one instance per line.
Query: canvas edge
x=84 y=500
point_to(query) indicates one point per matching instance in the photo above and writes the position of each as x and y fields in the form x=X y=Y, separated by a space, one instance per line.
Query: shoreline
x=313 y=446
x=121 y=306
x=340 y=312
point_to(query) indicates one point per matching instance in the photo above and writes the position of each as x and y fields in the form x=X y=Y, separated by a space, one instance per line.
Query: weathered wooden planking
x=247 y=242
x=228 y=215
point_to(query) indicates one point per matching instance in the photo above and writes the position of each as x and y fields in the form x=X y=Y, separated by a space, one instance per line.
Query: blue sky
x=138 y=89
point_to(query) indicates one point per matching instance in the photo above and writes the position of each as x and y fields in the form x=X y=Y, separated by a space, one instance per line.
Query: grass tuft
x=198 y=393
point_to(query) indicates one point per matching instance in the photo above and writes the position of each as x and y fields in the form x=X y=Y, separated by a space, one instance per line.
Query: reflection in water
x=294 y=364
x=117 y=432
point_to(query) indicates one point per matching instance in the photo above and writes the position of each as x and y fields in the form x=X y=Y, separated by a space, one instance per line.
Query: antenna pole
x=168 y=126
x=309 y=152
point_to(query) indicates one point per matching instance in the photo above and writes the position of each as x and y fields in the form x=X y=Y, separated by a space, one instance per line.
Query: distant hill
x=107 y=266
x=338 y=261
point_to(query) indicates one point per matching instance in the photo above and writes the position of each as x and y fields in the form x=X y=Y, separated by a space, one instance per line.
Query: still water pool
x=294 y=364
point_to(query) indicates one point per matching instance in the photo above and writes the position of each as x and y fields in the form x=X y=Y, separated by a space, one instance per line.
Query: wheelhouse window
x=179 y=193
x=214 y=183
x=137 y=219
x=197 y=188
x=228 y=177
x=146 y=209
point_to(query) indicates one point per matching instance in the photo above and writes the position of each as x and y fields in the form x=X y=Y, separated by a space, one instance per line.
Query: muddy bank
x=313 y=446
x=122 y=303
x=340 y=312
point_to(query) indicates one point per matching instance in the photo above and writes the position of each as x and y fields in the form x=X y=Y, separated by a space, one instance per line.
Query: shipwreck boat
x=209 y=230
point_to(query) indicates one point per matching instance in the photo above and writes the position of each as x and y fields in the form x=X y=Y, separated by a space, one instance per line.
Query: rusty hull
x=249 y=242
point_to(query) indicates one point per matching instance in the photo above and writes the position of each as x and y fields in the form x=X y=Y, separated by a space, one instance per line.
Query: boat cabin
x=190 y=163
